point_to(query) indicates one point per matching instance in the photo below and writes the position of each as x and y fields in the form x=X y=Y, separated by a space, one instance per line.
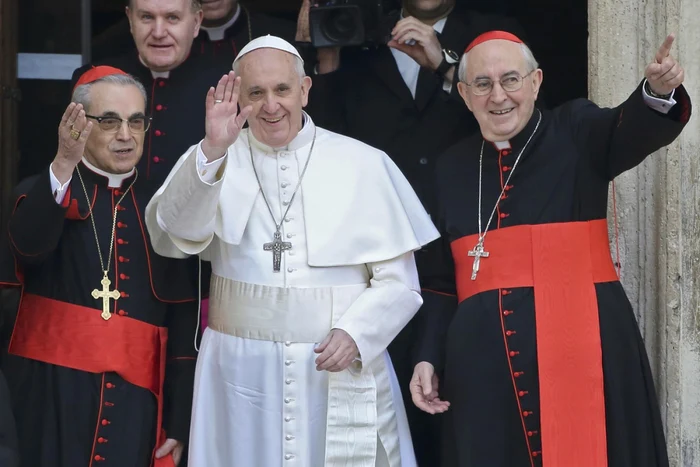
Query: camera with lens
x=341 y=23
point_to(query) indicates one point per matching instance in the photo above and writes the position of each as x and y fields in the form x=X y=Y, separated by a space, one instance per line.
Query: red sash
x=77 y=337
x=562 y=262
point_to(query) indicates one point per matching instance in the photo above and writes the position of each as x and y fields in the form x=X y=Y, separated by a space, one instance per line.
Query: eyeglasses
x=510 y=83
x=113 y=124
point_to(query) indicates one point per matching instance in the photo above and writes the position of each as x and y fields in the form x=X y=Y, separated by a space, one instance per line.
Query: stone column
x=658 y=206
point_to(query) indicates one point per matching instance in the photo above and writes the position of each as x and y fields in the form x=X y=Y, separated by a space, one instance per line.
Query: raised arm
x=36 y=223
x=181 y=216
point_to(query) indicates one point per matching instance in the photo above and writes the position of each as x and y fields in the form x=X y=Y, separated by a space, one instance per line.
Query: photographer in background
x=401 y=97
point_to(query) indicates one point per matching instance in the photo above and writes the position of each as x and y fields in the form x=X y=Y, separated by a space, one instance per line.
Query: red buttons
x=117 y=193
x=531 y=433
x=505 y=292
x=109 y=404
x=156 y=159
x=504 y=215
x=124 y=295
x=526 y=413
x=159 y=107
x=99 y=458
x=104 y=422
x=123 y=259
x=513 y=353
x=505 y=196
x=508 y=187
x=536 y=453
x=158 y=132
x=121 y=208
x=161 y=84
x=120 y=225
x=122 y=241
x=518 y=374
x=122 y=313
x=109 y=385
x=123 y=277
x=101 y=440
x=506 y=168
x=509 y=333
x=523 y=393
x=507 y=312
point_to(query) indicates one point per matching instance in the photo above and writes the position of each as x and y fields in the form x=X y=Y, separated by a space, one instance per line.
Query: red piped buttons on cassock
x=124 y=295
x=109 y=385
x=159 y=107
x=158 y=132
x=504 y=215
x=156 y=159
x=513 y=353
x=506 y=168
x=509 y=333
x=104 y=422
x=99 y=458
x=161 y=84
x=122 y=313
x=101 y=440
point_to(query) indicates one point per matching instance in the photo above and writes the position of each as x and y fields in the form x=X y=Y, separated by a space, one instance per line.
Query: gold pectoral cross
x=105 y=294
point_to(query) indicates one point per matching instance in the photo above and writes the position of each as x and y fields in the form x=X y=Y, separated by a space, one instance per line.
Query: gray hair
x=196 y=5
x=530 y=62
x=298 y=66
x=81 y=94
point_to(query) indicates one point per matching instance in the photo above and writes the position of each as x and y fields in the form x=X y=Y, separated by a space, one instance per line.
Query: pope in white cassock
x=311 y=238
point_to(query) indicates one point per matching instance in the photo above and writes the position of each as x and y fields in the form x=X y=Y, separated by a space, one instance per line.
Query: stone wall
x=658 y=206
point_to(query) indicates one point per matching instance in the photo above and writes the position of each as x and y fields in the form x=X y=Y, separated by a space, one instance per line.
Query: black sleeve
x=326 y=99
x=36 y=224
x=179 y=370
x=618 y=139
x=439 y=291
x=9 y=456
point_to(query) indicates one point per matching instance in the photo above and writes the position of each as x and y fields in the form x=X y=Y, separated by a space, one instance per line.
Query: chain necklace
x=478 y=251
x=277 y=246
x=105 y=294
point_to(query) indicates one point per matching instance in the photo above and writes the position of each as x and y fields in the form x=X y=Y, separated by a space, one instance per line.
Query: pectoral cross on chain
x=105 y=294
x=477 y=252
x=277 y=246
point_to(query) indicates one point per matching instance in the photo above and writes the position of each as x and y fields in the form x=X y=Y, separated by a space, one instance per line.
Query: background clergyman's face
x=217 y=9
x=163 y=31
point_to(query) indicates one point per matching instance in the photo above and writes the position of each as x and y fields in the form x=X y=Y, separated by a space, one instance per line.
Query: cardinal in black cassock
x=102 y=355
x=539 y=356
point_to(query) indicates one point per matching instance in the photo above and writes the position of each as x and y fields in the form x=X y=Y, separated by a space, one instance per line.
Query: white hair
x=81 y=94
x=530 y=62
x=298 y=66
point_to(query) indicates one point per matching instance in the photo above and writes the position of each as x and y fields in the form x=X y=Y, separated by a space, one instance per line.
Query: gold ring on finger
x=75 y=134
x=218 y=101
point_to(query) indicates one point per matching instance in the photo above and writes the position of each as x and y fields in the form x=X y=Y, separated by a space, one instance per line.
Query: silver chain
x=481 y=158
x=114 y=220
x=278 y=226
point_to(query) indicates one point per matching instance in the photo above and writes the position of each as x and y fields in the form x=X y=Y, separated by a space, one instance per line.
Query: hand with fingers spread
x=417 y=40
x=424 y=389
x=338 y=350
x=664 y=74
x=73 y=132
x=223 y=122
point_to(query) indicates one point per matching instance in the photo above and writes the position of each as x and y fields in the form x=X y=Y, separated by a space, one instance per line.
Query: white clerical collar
x=155 y=74
x=115 y=180
x=304 y=137
x=501 y=145
x=219 y=32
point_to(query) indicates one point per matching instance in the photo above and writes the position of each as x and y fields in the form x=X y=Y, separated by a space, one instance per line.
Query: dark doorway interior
x=557 y=32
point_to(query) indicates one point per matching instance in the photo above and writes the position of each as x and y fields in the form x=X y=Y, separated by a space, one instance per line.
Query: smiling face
x=163 y=31
x=501 y=114
x=272 y=85
x=114 y=152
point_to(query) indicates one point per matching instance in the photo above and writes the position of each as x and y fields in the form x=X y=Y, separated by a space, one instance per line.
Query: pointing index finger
x=665 y=48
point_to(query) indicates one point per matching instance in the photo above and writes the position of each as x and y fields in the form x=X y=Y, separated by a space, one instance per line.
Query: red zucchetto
x=97 y=72
x=493 y=35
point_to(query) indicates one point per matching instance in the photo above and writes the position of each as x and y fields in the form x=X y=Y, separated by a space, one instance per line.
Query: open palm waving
x=223 y=122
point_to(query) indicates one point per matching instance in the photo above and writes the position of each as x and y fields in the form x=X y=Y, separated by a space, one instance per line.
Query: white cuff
x=660 y=105
x=206 y=170
x=447 y=87
x=58 y=190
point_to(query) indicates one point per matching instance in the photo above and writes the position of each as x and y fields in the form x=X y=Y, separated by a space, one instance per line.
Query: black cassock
x=248 y=26
x=485 y=346
x=8 y=436
x=66 y=416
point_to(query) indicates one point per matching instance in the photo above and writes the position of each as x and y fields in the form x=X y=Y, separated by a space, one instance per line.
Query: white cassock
x=354 y=225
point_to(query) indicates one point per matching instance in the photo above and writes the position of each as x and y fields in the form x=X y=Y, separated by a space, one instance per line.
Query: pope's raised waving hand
x=223 y=121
